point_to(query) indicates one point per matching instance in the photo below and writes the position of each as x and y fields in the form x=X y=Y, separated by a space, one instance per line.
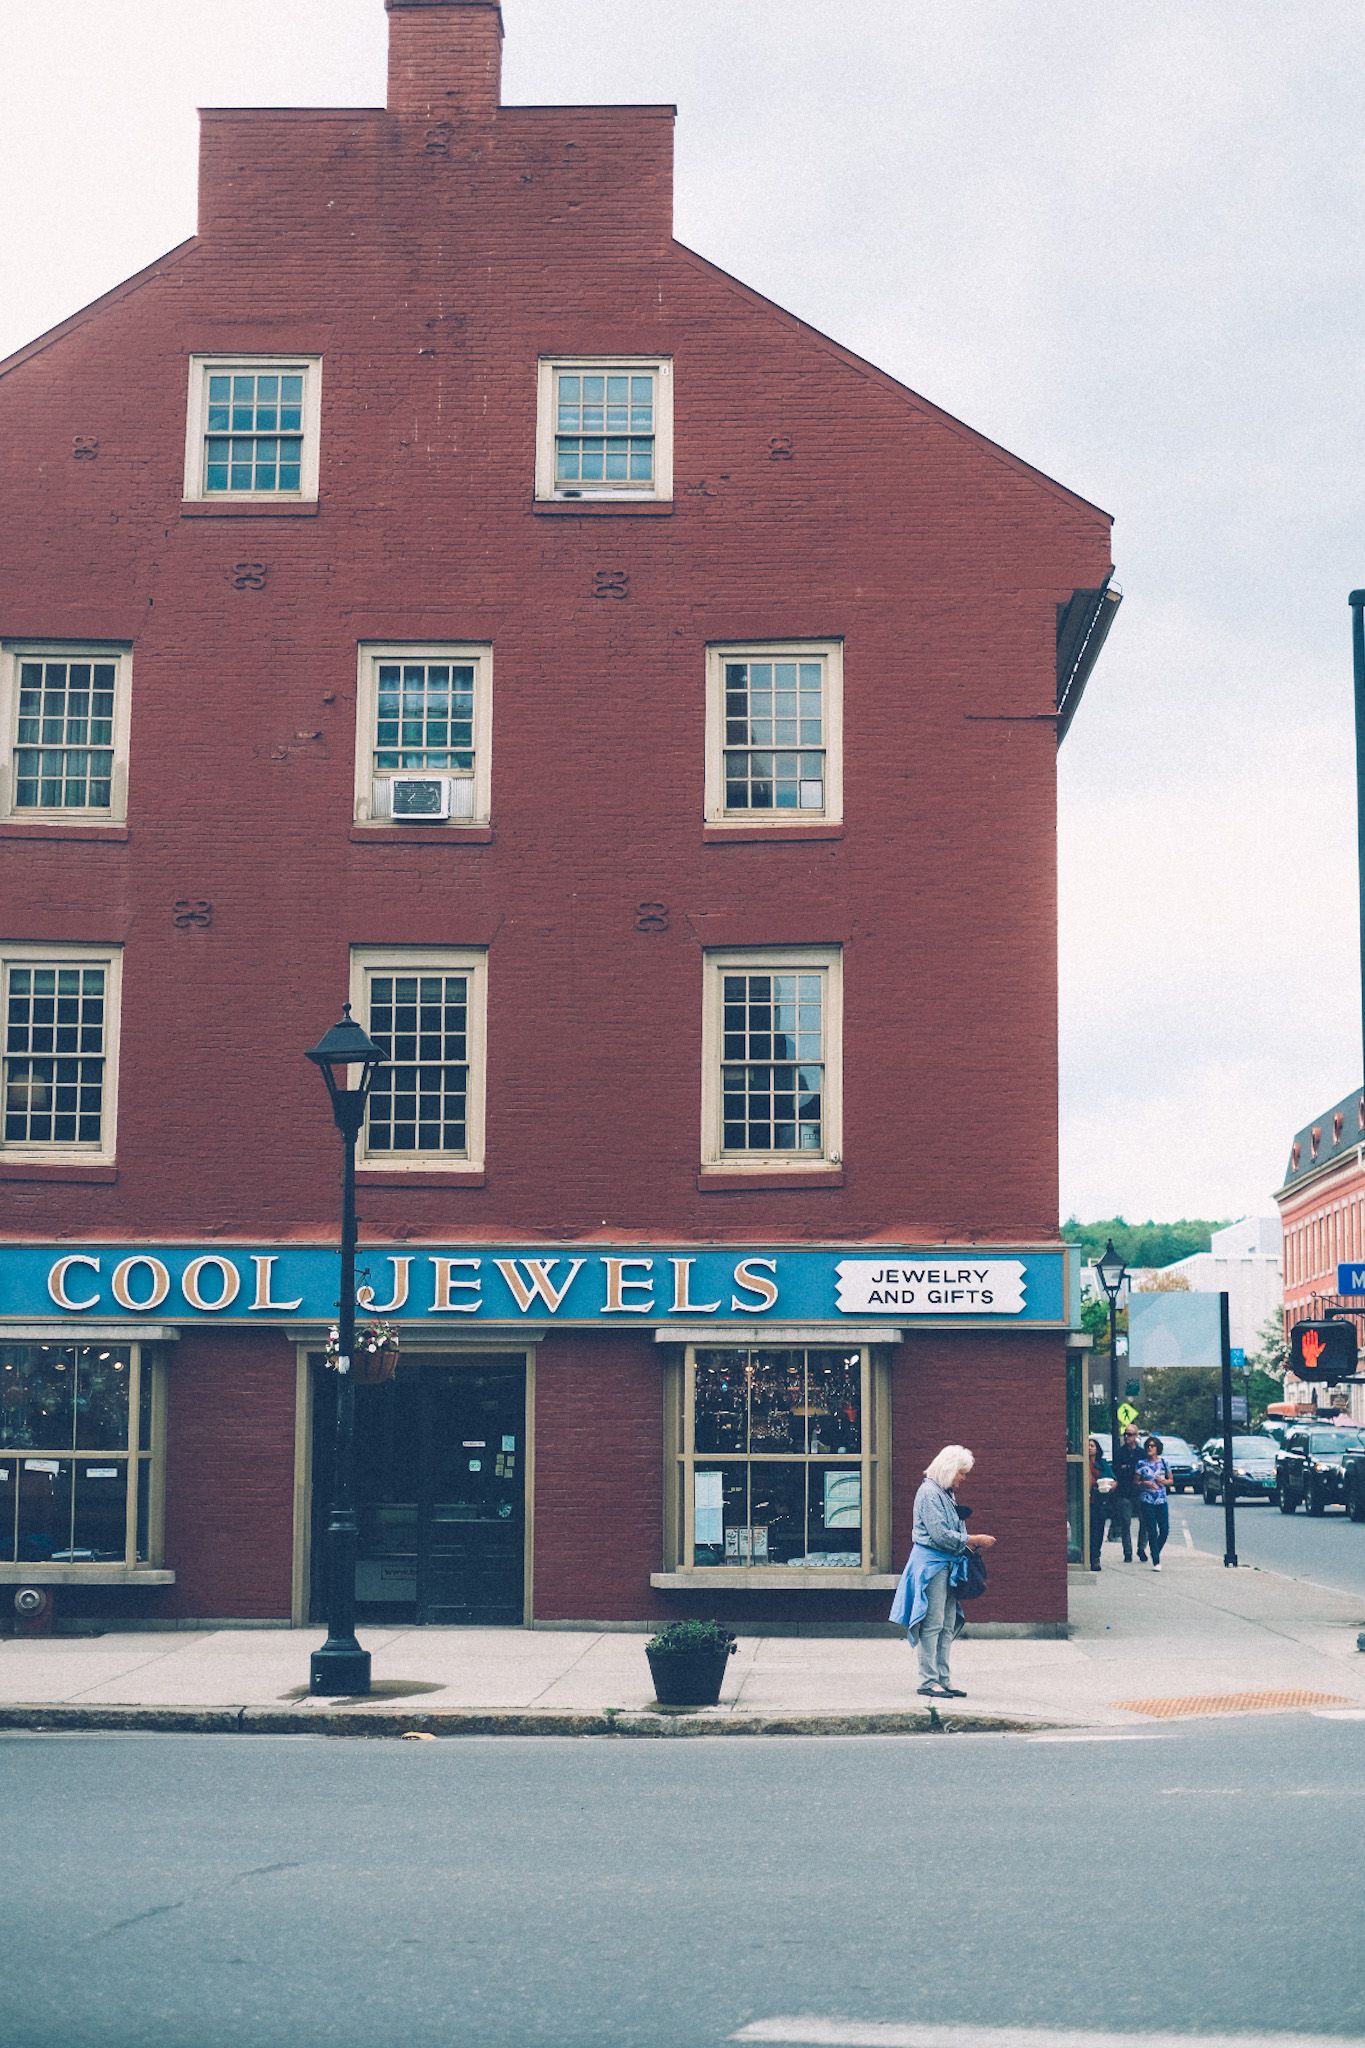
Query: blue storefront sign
x=555 y=1284
x=1351 y=1279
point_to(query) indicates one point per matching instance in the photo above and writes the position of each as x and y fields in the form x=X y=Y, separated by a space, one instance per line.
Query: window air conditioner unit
x=431 y=796
x=420 y=796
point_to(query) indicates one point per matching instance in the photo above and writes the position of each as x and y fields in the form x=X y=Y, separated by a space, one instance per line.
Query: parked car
x=1187 y=1467
x=1253 y=1468
x=1309 y=1468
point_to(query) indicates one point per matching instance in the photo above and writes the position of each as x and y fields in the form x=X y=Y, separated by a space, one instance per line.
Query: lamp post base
x=339 y=1668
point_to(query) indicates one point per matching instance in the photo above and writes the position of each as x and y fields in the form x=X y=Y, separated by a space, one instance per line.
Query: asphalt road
x=257 y=1892
x=1327 y=1548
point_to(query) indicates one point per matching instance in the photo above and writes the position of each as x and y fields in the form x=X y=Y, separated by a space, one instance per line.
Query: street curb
x=389 y=1721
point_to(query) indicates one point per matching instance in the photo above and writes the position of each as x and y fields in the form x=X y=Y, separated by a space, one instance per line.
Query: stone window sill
x=718 y=835
x=20 y=828
x=251 y=508
x=84 y=1575
x=774 y=1578
x=603 y=508
x=725 y=1180
x=422 y=835
x=67 y=1170
x=409 y=1180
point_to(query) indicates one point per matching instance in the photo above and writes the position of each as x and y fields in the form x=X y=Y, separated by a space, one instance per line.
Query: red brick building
x=434 y=585
x=1322 y=1204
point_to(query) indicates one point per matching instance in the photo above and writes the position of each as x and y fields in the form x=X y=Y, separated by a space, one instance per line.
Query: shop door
x=440 y=1493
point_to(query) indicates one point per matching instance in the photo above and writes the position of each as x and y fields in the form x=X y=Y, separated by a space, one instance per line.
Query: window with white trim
x=423 y=734
x=772 y=1059
x=58 y=1052
x=82 y=1457
x=605 y=427
x=64 y=720
x=776 y=1453
x=426 y=1011
x=774 y=733
x=253 y=429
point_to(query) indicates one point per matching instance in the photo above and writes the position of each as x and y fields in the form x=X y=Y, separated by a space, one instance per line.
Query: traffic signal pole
x=1357 y=602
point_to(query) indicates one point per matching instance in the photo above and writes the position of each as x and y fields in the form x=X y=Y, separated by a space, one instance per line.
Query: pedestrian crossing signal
x=1322 y=1351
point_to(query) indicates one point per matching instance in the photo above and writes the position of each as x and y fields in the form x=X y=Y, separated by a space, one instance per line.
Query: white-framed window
x=253 y=429
x=777 y=1455
x=82 y=1458
x=772 y=1057
x=423 y=734
x=604 y=427
x=59 y=1052
x=426 y=1009
x=774 y=733
x=64 y=715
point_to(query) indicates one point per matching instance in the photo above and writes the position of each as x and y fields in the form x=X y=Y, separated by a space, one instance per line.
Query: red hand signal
x=1312 y=1348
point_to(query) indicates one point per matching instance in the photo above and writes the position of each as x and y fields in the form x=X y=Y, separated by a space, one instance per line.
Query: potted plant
x=687 y=1661
x=375 y=1358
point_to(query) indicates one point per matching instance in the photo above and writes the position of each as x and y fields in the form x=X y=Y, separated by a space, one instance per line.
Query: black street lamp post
x=341 y=1666
x=1111 y=1273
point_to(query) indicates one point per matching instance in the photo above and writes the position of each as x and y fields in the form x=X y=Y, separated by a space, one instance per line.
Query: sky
x=1125 y=240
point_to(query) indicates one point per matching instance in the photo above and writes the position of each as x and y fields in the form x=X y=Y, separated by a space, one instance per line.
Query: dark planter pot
x=688 y=1678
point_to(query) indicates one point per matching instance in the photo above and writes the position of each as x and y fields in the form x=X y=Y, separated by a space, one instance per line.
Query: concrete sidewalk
x=1193 y=1639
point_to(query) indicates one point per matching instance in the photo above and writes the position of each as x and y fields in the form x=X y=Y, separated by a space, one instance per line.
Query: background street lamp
x=349 y=1061
x=1111 y=1273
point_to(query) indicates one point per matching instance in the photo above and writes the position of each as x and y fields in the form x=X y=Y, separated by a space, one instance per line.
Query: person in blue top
x=925 y=1605
x=1153 y=1479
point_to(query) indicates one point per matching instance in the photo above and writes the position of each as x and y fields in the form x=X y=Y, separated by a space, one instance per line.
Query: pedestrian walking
x=1153 y=1482
x=1126 y=1503
x=925 y=1604
x=1099 y=1506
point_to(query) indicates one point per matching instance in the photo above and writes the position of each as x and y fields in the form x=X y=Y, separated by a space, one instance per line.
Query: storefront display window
x=777 y=1463
x=77 y=1435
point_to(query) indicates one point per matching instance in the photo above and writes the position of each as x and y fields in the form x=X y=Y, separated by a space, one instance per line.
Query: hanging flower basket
x=375 y=1357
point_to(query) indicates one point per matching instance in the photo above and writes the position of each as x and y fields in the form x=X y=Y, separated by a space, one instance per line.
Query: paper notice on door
x=709 y=1507
x=509 y=1443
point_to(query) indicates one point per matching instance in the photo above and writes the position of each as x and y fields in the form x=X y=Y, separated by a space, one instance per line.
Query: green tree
x=1143 y=1244
x=1181 y=1401
x=1271 y=1355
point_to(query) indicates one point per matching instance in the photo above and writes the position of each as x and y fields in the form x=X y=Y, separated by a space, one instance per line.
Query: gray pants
x=936 y=1630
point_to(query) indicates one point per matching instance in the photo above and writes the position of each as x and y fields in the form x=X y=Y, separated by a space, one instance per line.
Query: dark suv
x=1309 y=1468
x=1353 y=1484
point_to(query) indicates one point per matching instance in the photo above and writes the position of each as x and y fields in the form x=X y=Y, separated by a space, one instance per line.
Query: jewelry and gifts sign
x=611 y=1285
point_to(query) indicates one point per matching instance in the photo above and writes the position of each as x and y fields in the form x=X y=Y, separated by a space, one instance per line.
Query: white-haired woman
x=925 y=1604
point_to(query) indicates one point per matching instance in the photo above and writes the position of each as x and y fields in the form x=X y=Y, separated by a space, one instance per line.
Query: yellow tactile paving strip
x=1230 y=1703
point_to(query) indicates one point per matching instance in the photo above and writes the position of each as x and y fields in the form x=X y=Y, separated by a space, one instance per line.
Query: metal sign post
x=1229 y=1485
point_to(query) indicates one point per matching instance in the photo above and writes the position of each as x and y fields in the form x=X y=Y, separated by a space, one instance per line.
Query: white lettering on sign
x=955 y=1288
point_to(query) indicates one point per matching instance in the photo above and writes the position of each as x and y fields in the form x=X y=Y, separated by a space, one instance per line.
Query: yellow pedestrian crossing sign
x=1127 y=1414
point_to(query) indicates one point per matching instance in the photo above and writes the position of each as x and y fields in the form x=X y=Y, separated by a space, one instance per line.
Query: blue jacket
x=911 y=1603
x=940 y=1544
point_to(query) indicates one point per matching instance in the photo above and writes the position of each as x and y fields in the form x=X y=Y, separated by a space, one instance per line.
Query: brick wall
x=430 y=264
x=230 y=1476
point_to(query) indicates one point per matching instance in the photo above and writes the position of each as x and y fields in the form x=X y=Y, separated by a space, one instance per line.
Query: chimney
x=445 y=59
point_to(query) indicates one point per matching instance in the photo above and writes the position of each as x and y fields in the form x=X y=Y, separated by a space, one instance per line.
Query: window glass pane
x=798 y=1497
x=720 y=1496
x=722 y=1401
x=834 y=1400
x=834 y=1520
x=418 y=1103
x=37 y=1397
x=101 y=1400
x=9 y=1500
x=99 y=1531
x=45 y=1503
